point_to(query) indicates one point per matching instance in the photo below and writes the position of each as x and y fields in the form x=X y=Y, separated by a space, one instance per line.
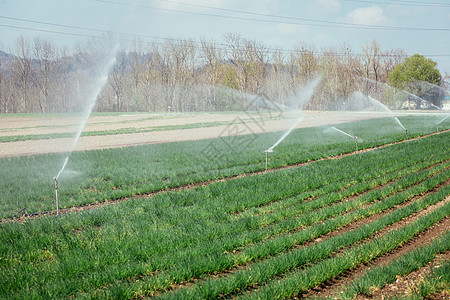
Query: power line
x=126 y=36
x=51 y=24
x=223 y=48
x=50 y=31
x=404 y=3
x=286 y=17
x=309 y=22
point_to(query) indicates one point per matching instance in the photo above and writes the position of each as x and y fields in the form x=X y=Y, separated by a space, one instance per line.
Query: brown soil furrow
x=333 y=287
x=96 y=205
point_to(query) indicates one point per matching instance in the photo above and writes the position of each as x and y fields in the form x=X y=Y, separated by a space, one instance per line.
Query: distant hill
x=5 y=56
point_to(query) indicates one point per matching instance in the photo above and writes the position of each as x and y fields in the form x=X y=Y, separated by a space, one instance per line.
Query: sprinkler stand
x=269 y=150
x=56 y=193
x=406 y=133
x=356 y=142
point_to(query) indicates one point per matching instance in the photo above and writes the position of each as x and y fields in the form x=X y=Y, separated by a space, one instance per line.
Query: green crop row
x=57 y=257
x=300 y=280
x=79 y=285
x=218 y=249
x=264 y=270
x=267 y=248
x=378 y=277
x=94 y=176
x=437 y=282
x=186 y=268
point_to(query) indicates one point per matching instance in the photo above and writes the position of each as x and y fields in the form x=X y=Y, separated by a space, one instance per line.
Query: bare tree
x=391 y=58
x=21 y=72
x=277 y=82
x=118 y=80
x=178 y=75
x=44 y=72
x=212 y=58
x=305 y=62
x=3 y=101
x=151 y=79
x=236 y=54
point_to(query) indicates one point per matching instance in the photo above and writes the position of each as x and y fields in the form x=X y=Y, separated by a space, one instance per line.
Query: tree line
x=184 y=75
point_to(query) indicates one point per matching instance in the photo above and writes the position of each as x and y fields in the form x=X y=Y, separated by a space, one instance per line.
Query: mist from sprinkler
x=439 y=122
x=306 y=92
x=92 y=100
x=349 y=135
x=384 y=107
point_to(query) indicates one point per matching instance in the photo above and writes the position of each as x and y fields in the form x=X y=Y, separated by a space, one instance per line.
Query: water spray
x=384 y=107
x=306 y=96
x=56 y=194
x=439 y=122
x=267 y=151
x=101 y=80
x=349 y=135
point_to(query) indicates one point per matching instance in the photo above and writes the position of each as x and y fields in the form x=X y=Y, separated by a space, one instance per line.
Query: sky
x=415 y=26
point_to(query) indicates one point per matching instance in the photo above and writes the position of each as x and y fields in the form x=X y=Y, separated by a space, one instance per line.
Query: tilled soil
x=18 y=126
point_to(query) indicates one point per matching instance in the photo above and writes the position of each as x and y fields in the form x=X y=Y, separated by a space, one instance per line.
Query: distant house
x=446 y=103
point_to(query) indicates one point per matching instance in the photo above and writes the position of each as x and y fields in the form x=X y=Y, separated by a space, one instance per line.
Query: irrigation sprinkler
x=406 y=133
x=356 y=142
x=56 y=193
x=267 y=151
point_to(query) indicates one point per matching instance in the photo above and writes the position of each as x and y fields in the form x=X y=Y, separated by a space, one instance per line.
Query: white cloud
x=367 y=15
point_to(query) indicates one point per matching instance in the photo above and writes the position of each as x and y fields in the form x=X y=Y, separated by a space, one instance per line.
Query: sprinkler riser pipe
x=266 y=161
x=56 y=195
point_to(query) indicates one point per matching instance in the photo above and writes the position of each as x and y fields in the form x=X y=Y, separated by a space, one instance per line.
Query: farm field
x=201 y=219
x=103 y=175
x=37 y=134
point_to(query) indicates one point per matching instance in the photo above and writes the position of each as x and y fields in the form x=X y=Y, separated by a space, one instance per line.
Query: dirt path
x=13 y=126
